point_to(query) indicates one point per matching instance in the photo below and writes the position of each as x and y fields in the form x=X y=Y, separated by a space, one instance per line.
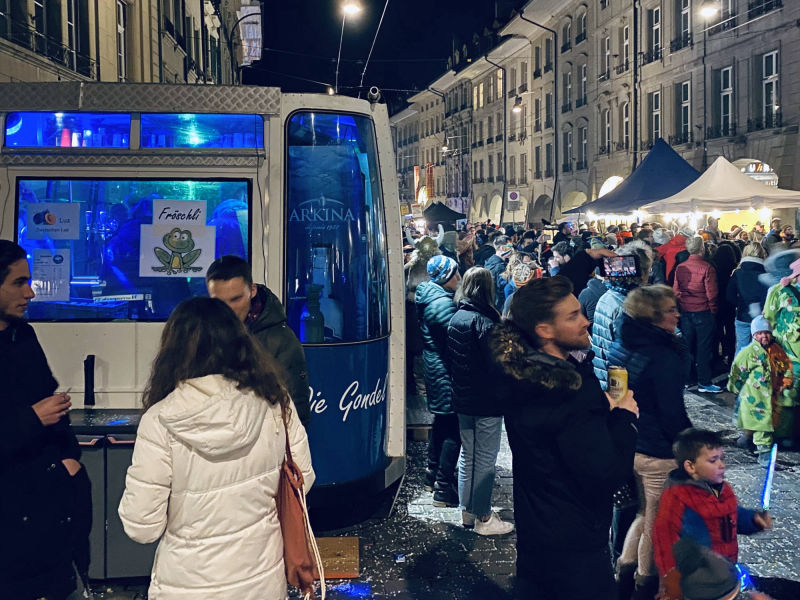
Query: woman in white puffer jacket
x=207 y=458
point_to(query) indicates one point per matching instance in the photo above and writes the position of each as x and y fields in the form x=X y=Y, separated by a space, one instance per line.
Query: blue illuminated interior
x=67 y=130
x=91 y=267
x=202 y=131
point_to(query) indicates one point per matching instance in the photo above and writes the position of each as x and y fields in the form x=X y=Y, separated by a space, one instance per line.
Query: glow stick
x=767 y=491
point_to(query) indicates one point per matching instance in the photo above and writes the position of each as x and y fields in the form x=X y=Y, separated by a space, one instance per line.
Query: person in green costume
x=762 y=377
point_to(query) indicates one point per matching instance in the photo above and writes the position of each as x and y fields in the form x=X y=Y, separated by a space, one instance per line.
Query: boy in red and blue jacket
x=699 y=504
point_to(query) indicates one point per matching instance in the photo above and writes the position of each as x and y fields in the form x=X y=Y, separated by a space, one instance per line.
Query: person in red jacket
x=699 y=504
x=695 y=286
x=670 y=249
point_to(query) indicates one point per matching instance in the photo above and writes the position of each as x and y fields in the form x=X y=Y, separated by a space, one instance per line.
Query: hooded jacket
x=668 y=252
x=658 y=364
x=468 y=354
x=271 y=329
x=38 y=503
x=605 y=330
x=745 y=291
x=569 y=452
x=695 y=285
x=204 y=479
x=693 y=509
x=435 y=308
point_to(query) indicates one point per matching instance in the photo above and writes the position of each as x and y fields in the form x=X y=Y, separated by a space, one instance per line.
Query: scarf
x=779 y=363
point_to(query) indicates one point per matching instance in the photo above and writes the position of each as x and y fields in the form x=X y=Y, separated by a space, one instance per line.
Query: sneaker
x=494 y=526
x=430 y=480
x=467 y=519
x=445 y=498
x=709 y=389
x=764 y=458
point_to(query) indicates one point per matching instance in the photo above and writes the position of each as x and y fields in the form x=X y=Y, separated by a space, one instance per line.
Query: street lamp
x=708 y=9
x=350 y=7
x=517 y=108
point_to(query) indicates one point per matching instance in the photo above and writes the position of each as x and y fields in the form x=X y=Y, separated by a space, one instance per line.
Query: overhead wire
x=374 y=39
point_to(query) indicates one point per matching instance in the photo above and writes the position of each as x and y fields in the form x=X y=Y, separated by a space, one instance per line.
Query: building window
x=581 y=29
x=626 y=125
x=548 y=109
x=491 y=166
x=523 y=122
x=523 y=76
x=567 y=138
x=512 y=169
x=537 y=61
x=584 y=82
x=499 y=83
x=685 y=116
x=480 y=169
x=480 y=95
x=548 y=160
x=770 y=88
x=490 y=127
x=568 y=87
x=654 y=38
x=537 y=110
x=626 y=46
x=566 y=37
x=499 y=164
x=512 y=80
x=583 y=140
x=605 y=140
x=654 y=102
x=122 y=49
x=475 y=96
x=537 y=161
x=686 y=19
x=726 y=99
x=548 y=55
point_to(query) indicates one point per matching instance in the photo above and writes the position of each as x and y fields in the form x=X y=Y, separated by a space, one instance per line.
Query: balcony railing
x=651 y=55
x=581 y=165
x=762 y=7
x=566 y=46
x=681 y=138
x=604 y=150
x=769 y=121
x=566 y=107
x=537 y=73
x=499 y=178
x=548 y=123
x=683 y=41
x=726 y=21
x=490 y=179
x=512 y=181
x=474 y=144
x=498 y=137
x=623 y=145
x=537 y=128
x=645 y=145
x=580 y=102
x=581 y=37
x=512 y=92
x=522 y=88
x=21 y=34
x=717 y=132
x=548 y=67
x=489 y=140
x=604 y=76
x=566 y=167
x=480 y=143
x=512 y=137
x=537 y=174
x=623 y=67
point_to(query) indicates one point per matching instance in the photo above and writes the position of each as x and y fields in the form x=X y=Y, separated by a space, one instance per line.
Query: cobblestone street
x=422 y=553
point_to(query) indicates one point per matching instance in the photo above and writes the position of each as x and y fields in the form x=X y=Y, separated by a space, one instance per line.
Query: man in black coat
x=229 y=279
x=571 y=445
x=45 y=506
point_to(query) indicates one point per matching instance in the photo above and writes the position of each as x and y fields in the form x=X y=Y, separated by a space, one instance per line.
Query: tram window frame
x=152 y=302
x=374 y=237
x=86 y=130
x=159 y=132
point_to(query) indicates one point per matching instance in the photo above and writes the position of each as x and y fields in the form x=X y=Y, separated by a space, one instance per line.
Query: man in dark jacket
x=497 y=265
x=228 y=278
x=435 y=308
x=45 y=506
x=484 y=251
x=571 y=445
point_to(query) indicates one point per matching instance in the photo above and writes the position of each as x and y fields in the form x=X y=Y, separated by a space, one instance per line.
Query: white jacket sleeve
x=298 y=441
x=143 y=508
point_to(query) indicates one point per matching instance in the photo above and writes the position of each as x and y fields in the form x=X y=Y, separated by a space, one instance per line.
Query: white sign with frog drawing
x=178 y=243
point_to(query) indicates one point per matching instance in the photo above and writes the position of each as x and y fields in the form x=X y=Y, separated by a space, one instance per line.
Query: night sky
x=415 y=40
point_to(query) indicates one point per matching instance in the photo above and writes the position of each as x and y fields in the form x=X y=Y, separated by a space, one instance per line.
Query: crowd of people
x=610 y=496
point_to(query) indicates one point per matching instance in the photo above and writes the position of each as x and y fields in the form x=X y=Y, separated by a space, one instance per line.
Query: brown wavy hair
x=202 y=337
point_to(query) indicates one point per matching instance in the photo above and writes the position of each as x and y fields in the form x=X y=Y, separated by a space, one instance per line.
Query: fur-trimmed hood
x=517 y=358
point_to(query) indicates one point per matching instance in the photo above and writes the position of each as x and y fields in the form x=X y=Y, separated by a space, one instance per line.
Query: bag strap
x=301 y=494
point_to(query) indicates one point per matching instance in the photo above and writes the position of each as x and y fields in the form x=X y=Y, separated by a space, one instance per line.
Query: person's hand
x=627 y=403
x=71 y=465
x=51 y=409
x=763 y=520
x=598 y=253
x=670 y=588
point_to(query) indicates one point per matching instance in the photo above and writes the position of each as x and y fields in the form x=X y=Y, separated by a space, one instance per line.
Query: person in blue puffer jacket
x=435 y=307
x=609 y=307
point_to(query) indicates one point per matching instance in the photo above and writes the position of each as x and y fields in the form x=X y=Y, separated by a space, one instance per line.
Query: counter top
x=101 y=421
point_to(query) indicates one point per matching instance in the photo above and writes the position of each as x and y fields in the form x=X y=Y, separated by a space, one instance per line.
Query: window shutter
x=716 y=87
x=757 y=91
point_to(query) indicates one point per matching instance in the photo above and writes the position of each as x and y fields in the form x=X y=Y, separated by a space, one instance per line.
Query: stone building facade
x=627 y=73
x=147 y=41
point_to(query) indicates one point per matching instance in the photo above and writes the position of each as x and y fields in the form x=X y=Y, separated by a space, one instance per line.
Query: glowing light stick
x=767 y=491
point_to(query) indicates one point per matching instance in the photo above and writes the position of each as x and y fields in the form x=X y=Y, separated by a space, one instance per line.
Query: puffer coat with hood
x=435 y=308
x=204 y=480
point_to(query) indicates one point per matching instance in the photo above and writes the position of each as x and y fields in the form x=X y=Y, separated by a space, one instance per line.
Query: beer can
x=617 y=382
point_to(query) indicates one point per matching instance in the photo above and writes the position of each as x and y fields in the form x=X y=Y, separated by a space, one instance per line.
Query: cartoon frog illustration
x=183 y=253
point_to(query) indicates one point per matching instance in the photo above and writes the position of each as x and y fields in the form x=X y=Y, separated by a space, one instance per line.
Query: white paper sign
x=178 y=243
x=53 y=220
x=50 y=280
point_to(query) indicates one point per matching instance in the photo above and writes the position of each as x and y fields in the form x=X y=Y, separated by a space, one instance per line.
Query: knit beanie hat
x=441 y=268
x=759 y=323
x=596 y=243
x=505 y=251
x=705 y=575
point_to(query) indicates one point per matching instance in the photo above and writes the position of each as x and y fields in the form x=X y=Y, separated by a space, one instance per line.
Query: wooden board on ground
x=339 y=557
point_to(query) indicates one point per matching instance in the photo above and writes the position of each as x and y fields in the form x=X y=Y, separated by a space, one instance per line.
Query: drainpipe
x=556 y=107
x=160 y=36
x=505 y=142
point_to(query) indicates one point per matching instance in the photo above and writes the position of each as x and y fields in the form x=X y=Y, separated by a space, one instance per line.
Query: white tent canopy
x=724 y=187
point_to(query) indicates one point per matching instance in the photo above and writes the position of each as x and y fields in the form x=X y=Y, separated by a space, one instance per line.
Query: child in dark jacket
x=698 y=503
